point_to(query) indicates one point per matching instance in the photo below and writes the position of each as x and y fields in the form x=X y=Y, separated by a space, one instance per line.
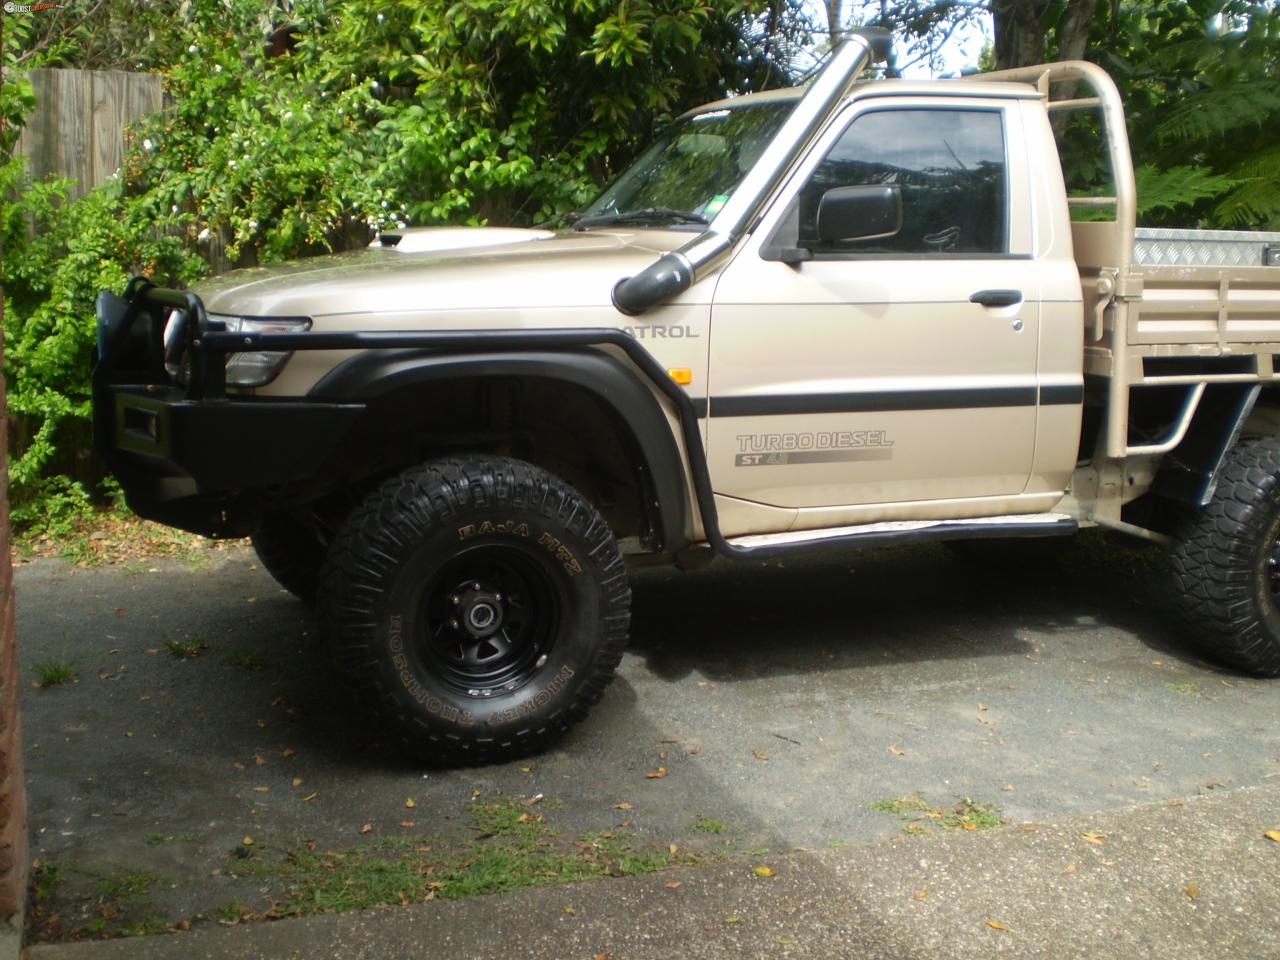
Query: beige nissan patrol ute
x=853 y=315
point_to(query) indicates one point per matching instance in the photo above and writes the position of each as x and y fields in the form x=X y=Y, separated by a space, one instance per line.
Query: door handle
x=997 y=298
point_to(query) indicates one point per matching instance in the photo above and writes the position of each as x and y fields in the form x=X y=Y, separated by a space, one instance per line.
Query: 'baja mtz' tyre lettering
x=478 y=605
x=1227 y=563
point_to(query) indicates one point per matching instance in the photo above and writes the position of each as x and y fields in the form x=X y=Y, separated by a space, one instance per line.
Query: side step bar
x=899 y=532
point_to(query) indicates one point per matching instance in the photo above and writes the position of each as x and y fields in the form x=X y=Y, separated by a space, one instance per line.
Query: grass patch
x=1185 y=687
x=513 y=847
x=127 y=886
x=160 y=839
x=45 y=880
x=50 y=673
x=248 y=660
x=184 y=649
x=924 y=818
x=708 y=825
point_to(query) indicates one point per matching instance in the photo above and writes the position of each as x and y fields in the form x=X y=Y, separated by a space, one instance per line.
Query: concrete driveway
x=790 y=704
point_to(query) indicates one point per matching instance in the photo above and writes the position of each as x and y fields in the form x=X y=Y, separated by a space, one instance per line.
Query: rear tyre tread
x=1215 y=562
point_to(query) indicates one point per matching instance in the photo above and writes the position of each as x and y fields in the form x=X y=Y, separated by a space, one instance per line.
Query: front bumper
x=208 y=463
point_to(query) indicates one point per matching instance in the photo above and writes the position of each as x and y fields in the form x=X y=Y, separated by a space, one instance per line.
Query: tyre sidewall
x=400 y=626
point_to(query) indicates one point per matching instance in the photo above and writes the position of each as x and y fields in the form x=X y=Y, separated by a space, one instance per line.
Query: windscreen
x=697 y=163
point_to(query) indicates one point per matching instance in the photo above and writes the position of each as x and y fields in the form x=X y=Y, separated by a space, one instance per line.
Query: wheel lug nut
x=454 y=624
x=498 y=596
x=455 y=600
x=475 y=586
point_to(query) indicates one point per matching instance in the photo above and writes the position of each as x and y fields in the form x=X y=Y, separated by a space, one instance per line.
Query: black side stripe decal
x=900 y=400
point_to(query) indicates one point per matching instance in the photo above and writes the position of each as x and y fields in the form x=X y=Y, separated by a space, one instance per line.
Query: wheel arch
x=589 y=383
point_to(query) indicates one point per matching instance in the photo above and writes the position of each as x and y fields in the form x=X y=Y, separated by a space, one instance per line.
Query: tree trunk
x=833 y=19
x=1019 y=40
x=1020 y=31
x=1073 y=29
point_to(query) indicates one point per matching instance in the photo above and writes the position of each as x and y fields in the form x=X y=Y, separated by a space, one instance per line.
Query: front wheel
x=478 y=605
x=1227 y=563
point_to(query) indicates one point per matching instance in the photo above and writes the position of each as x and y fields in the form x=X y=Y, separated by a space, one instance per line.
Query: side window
x=950 y=166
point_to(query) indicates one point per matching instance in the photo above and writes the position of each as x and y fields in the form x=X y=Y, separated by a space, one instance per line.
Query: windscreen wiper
x=647 y=215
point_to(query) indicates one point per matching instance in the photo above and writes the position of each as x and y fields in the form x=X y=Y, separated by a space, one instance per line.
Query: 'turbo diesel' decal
x=828 y=446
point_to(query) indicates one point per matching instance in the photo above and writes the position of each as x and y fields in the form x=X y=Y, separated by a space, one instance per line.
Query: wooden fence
x=77 y=127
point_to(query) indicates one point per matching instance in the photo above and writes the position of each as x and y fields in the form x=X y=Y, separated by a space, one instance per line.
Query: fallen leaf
x=673 y=884
x=128 y=733
x=733 y=919
x=995 y=924
x=262 y=724
x=570 y=910
x=762 y=871
x=297 y=781
x=1007 y=788
x=288 y=752
x=475 y=792
x=261 y=789
x=896 y=752
x=248 y=841
x=238 y=765
x=1191 y=890
x=1176 y=803
x=526 y=769
x=1097 y=838
x=969 y=825
x=672 y=849
x=1071 y=868
x=982 y=706
x=153 y=650
x=408 y=824
x=259 y=759
x=758 y=755
x=624 y=806
x=367 y=828
x=277 y=700
x=662 y=754
x=1273 y=835
x=922 y=895
x=695 y=749
x=656 y=774
x=309 y=796
x=602 y=956
x=410 y=804
x=530 y=801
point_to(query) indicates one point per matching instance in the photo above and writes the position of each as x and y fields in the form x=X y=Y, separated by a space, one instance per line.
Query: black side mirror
x=862 y=212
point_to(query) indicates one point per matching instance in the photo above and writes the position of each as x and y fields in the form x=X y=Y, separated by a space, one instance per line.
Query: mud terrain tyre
x=291 y=553
x=479 y=606
x=1227 y=563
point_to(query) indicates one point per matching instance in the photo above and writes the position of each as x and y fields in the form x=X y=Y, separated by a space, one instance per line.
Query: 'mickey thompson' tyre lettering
x=416 y=690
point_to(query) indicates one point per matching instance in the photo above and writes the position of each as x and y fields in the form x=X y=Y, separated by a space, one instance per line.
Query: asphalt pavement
x=792 y=706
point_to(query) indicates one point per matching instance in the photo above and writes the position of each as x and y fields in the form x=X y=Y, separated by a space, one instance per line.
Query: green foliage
x=57 y=256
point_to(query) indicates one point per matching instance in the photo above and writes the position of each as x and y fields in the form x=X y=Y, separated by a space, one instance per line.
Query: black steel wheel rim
x=490 y=619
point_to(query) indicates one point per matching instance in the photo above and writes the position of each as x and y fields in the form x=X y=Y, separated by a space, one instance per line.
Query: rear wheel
x=1227 y=563
x=478 y=605
x=291 y=552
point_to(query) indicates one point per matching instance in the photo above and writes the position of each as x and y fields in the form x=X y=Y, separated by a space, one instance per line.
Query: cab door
x=894 y=369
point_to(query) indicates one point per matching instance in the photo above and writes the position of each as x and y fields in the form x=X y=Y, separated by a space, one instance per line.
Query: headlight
x=259 y=367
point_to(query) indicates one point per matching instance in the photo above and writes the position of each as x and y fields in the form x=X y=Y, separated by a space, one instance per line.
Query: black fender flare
x=614 y=384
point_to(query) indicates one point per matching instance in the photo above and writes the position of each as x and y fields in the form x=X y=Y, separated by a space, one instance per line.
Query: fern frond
x=1174 y=187
x=1255 y=202
x=1214 y=112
